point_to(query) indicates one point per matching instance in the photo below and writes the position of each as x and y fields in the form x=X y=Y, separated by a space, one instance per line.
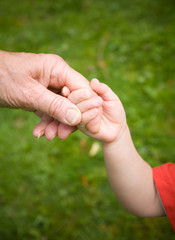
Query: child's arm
x=130 y=176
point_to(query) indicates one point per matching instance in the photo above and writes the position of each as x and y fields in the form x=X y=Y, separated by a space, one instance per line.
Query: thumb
x=57 y=106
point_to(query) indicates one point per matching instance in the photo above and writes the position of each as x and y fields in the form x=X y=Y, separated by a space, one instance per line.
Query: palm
x=112 y=121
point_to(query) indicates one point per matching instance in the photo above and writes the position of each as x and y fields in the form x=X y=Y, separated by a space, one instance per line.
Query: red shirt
x=164 y=178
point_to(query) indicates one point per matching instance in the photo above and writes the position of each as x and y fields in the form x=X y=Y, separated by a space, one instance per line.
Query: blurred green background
x=57 y=190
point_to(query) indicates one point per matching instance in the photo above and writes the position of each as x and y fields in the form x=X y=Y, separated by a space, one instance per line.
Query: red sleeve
x=164 y=178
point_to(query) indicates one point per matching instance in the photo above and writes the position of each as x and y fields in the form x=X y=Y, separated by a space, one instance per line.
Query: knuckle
x=59 y=70
x=65 y=70
x=86 y=93
x=55 y=106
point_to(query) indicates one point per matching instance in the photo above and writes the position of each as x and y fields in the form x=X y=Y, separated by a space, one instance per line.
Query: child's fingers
x=88 y=119
x=65 y=91
x=86 y=100
x=80 y=95
x=103 y=90
x=94 y=125
x=89 y=115
x=93 y=102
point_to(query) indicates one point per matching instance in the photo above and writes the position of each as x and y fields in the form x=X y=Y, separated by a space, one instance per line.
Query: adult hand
x=32 y=82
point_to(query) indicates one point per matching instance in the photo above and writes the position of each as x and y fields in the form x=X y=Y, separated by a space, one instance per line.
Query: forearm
x=131 y=178
x=3 y=74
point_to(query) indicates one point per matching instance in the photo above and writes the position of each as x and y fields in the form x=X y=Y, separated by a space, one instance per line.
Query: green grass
x=55 y=190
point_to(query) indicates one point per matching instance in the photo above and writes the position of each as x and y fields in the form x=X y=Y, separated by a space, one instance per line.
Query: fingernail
x=72 y=116
x=95 y=79
x=40 y=134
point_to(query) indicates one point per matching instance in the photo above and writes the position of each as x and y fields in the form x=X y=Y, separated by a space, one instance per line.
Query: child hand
x=113 y=119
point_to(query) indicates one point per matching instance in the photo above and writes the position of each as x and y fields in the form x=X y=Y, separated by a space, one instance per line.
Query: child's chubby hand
x=113 y=119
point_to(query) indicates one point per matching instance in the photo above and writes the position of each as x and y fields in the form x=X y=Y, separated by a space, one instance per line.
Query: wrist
x=123 y=138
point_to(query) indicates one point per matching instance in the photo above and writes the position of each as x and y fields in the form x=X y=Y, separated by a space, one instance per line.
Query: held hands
x=111 y=113
x=33 y=82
